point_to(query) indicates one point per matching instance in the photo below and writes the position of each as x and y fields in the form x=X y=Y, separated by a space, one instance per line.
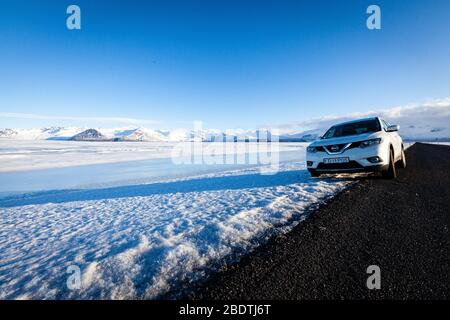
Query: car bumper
x=359 y=160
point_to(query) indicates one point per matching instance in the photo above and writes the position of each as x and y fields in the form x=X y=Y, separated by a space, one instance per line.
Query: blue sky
x=164 y=64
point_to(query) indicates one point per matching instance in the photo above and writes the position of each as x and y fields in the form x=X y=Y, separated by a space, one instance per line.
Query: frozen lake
x=29 y=166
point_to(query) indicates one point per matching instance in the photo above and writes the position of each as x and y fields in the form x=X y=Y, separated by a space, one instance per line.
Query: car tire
x=314 y=173
x=402 y=162
x=390 y=172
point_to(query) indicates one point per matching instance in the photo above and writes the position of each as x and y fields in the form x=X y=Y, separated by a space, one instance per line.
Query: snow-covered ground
x=171 y=227
x=143 y=241
x=441 y=143
x=140 y=240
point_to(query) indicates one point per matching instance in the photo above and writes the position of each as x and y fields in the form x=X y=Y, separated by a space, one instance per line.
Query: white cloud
x=418 y=118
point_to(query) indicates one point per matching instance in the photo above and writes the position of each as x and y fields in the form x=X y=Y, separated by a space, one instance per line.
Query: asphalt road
x=400 y=225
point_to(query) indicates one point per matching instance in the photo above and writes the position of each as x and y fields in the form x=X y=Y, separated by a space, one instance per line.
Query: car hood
x=346 y=139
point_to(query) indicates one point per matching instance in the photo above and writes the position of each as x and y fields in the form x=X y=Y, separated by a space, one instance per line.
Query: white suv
x=370 y=145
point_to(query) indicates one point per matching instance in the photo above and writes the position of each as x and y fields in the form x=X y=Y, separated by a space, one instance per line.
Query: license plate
x=336 y=160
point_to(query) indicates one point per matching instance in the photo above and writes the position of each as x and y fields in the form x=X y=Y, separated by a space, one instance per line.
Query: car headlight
x=371 y=142
x=311 y=149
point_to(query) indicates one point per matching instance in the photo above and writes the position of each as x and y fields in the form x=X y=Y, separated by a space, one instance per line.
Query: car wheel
x=314 y=173
x=402 y=162
x=391 y=172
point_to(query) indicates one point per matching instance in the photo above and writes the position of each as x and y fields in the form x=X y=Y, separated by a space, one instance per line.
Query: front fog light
x=374 y=159
x=309 y=163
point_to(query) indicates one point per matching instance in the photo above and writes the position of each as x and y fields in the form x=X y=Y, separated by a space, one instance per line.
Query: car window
x=353 y=128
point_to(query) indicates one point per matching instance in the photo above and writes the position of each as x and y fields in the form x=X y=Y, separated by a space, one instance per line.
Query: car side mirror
x=393 y=127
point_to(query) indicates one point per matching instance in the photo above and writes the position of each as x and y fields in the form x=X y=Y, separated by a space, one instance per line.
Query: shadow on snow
x=181 y=186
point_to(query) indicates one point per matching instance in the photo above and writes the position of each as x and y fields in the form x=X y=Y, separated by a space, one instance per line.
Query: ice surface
x=17 y=155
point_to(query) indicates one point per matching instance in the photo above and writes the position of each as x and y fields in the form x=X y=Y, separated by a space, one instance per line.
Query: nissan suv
x=365 y=145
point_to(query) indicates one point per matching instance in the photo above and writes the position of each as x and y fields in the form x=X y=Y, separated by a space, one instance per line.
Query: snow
x=145 y=246
x=146 y=240
x=52 y=133
x=17 y=155
x=143 y=240
x=440 y=143
x=26 y=155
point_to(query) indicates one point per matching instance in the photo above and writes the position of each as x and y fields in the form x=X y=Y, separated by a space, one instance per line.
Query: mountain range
x=132 y=134
x=411 y=132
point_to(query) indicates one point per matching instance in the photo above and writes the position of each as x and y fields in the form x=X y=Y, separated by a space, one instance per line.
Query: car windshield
x=353 y=128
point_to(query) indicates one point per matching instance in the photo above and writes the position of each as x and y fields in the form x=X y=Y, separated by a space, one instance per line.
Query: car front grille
x=335 y=148
x=338 y=148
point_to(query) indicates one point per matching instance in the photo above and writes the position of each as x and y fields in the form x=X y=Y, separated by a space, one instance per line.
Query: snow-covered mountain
x=308 y=135
x=8 y=133
x=114 y=134
x=408 y=132
x=425 y=133
x=89 y=135
x=140 y=134
x=124 y=134
x=52 y=133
